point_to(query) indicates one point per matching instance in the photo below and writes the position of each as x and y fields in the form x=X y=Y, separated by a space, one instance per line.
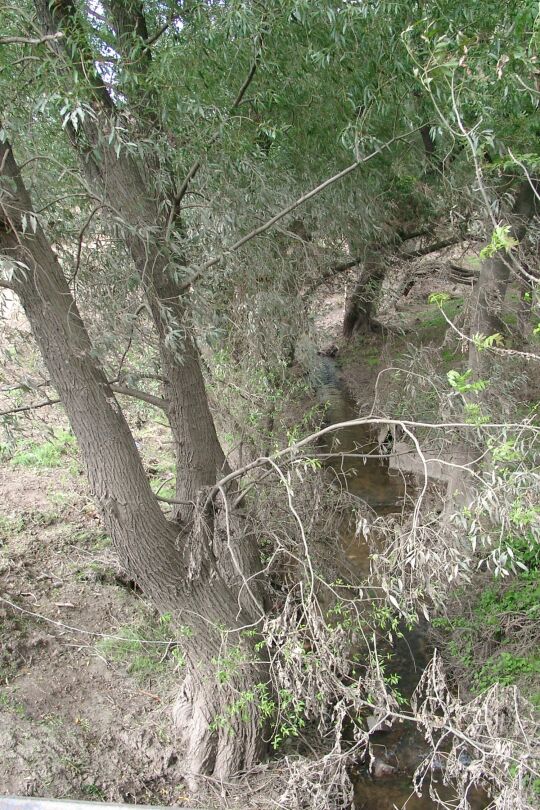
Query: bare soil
x=73 y=723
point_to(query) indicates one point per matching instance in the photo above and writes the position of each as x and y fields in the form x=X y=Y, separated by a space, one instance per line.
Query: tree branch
x=248 y=79
x=154 y=38
x=175 y=207
x=334 y=270
x=30 y=40
x=433 y=248
x=304 y=198
x=75 y=48
x=35 y=407
x=126 y=391
x=348 y=264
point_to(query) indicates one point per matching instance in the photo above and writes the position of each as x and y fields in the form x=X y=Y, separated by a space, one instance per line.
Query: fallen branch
x=433 y=248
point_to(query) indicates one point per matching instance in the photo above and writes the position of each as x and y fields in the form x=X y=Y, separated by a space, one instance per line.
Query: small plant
x=229 y=663
x=474 y=414
x=10 y=526
x=439 y=298
x=483 y=342
x=11 y=704
x=462 y=384
x=93 y=791
x=290 y=718
x=506 y=668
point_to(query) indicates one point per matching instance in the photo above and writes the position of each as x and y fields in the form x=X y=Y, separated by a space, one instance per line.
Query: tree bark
x=361 y=303
x=128 y=190
x=195 y=573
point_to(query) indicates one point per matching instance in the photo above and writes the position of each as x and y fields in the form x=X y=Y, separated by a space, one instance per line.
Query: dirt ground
x=75 y=719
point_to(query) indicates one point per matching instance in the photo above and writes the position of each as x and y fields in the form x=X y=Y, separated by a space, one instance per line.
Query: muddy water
x=383 y=493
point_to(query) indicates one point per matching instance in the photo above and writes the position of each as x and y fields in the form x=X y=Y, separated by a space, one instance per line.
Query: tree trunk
x=490 y=289
x=180 y=572
x=199 y=456
x=361 y=303
x=128 y=189
x=526 y=307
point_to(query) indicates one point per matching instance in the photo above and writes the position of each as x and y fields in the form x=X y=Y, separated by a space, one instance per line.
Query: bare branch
x=433 y=248
x=344 y=266
x=81 y=237
x=154 y=38
x=126 y=391
x=35 y=407
x=332 y=272
x=407 y=425
x=248 y=79
x=197 y=164
x=123 y=390
x=30 y=40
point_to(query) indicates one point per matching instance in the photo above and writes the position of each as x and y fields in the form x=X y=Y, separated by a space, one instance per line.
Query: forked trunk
x=181 y=572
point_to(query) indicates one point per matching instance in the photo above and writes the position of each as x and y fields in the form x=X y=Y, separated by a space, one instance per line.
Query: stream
x=403 y=746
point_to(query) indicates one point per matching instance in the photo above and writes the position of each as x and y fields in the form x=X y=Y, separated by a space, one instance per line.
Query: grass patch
x=163 y=487
x=372 y=359
x=93 y=792
x=50 y=453
x=434 y=321
x=145 y=650
x=10 y=526
x=92 y=538
x=11 y=704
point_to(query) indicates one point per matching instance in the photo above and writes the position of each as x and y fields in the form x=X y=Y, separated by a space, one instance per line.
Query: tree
x=184 y=572
x=495 y=273
x=183 y=566
x=151 y=106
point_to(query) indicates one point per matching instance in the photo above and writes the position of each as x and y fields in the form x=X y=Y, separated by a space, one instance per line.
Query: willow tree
x=138 y=111
x=104 y=93
x=186 y=566
x=475 y=68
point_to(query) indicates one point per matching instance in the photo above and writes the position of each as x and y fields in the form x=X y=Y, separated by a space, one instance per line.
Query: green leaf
x=500 y=240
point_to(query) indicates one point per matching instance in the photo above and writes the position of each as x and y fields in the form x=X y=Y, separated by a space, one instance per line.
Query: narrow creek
x=370 y=480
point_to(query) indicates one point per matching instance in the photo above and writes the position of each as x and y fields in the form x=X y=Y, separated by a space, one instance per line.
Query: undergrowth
x=494 y=637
